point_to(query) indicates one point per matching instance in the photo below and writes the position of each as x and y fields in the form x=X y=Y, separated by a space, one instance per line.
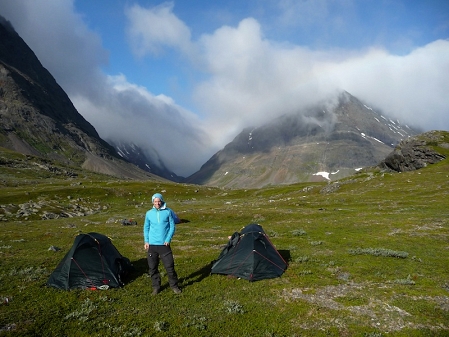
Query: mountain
x=134 y=154
x=328 y=141
x=38 y=118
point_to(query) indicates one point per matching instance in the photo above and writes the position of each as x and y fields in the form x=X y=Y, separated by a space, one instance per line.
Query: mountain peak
x=336 y=136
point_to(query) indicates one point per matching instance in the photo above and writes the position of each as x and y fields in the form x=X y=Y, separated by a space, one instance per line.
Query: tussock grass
x=378 y=252
x=366 y=259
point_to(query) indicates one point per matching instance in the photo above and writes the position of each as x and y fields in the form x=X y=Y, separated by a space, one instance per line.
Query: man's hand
x=146 y=246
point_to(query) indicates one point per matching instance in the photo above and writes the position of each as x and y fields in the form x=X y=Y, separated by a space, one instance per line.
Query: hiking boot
x=176 y=290
x=155 y=291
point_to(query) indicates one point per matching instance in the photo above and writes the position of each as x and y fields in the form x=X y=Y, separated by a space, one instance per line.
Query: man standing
x=158 y=230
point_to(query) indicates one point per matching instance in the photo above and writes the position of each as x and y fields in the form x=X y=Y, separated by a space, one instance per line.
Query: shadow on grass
x=140 y=267
x=196 y=276
x=285 y=255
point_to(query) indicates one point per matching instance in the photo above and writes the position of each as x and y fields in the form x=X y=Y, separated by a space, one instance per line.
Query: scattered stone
x=129 y=222
x=54 y=248
x=330 y=188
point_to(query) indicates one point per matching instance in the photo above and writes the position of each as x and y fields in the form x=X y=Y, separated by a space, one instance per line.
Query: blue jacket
x=159 y=226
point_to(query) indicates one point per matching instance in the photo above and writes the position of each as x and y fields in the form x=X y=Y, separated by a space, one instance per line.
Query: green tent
x=93 y=262
x=250 y=255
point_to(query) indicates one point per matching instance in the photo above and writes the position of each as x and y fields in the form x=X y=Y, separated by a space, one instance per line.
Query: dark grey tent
x=93 y=262
x=250 y=255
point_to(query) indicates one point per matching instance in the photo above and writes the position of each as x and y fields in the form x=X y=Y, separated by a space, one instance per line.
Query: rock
x=414 y=153
x=54 y=248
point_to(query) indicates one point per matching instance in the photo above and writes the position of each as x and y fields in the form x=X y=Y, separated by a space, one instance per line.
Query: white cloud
x=130 y=113
x=152 y=29
x=253 y=79
x=411 y=88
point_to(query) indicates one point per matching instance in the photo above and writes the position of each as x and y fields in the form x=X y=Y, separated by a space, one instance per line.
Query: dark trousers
x=165 y=254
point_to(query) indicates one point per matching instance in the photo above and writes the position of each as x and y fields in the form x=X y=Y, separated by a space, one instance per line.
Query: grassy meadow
x=368 y=256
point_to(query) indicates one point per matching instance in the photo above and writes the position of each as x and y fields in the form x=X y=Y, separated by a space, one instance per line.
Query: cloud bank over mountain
x=235 y=74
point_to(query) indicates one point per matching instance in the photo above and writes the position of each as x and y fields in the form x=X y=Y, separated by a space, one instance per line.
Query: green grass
x=367 y=259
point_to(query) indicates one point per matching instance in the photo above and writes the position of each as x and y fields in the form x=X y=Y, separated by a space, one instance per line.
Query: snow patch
x=369 y=137
x=325 y=175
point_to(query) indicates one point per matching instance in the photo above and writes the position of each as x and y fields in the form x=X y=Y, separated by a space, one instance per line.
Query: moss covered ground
x=368 y=256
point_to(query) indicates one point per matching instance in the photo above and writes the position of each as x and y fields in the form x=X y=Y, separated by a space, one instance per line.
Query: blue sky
x=183 y=78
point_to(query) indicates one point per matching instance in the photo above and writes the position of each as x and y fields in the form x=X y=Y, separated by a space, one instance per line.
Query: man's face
x=157 y=203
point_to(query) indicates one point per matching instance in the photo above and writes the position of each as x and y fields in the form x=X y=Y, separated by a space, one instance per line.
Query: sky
x=181 y=79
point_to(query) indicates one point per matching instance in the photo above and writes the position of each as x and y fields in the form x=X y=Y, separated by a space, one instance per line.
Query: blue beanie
x=157 y=195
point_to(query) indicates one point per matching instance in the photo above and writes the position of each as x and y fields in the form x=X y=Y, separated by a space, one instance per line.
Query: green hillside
x=368 y=255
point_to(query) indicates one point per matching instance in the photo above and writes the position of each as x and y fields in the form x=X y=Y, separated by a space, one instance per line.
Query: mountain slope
x=328 y=141
x=134 y=154
x=38 y=118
